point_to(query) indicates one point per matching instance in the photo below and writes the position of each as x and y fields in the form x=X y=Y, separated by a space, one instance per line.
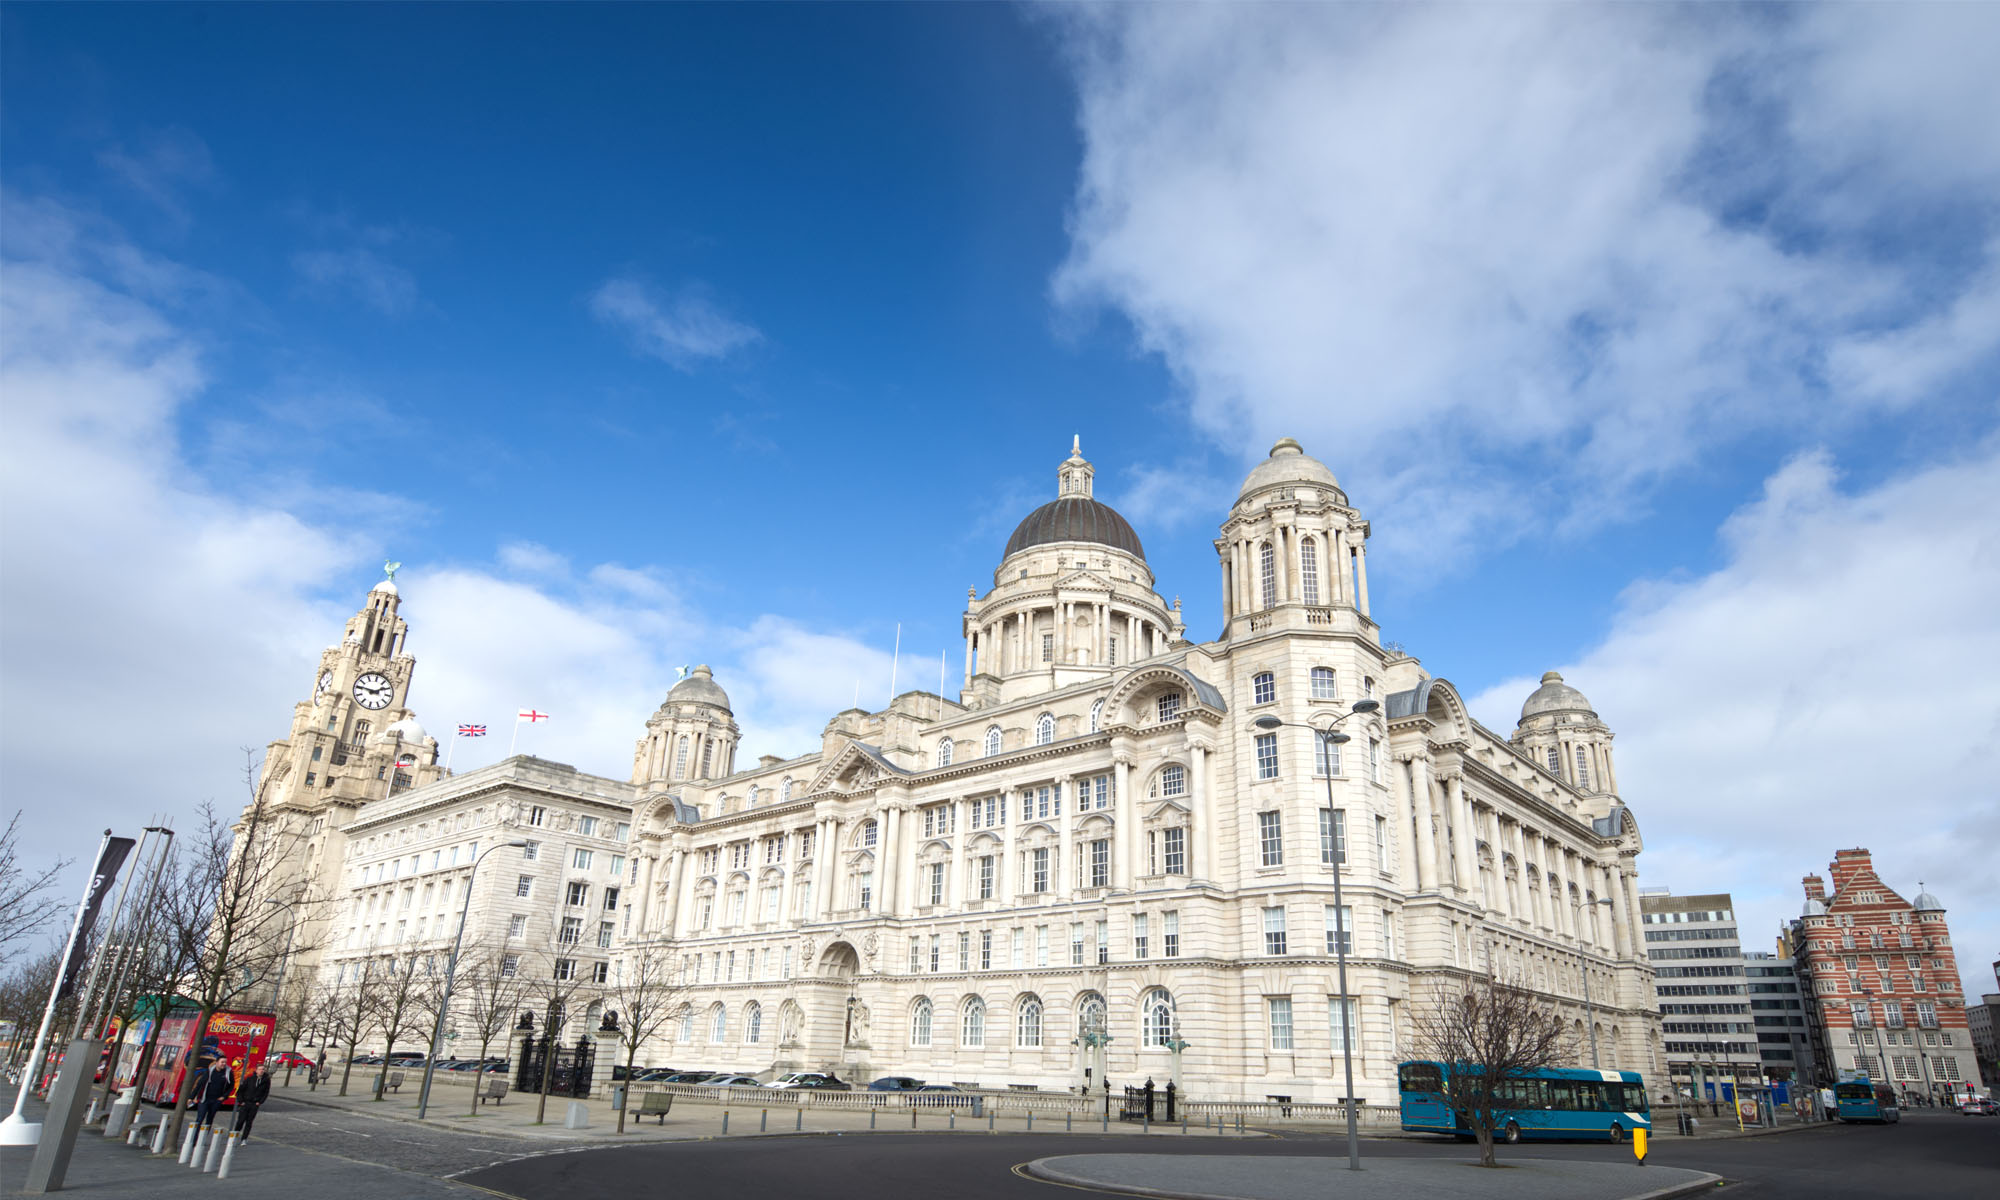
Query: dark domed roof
x=1075 y=519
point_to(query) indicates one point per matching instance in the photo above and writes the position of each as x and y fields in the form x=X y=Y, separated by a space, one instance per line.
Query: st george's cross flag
x=472 y=731
x=531 y=716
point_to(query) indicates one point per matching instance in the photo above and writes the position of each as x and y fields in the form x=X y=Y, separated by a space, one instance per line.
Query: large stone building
x=1089 y=863
x=1883 y=980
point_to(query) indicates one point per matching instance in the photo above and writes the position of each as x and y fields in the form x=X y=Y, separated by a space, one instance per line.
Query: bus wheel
x=1617 y=1132
x=1511 y=1134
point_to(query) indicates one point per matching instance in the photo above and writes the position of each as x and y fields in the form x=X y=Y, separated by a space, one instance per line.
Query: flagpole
x=894 y=660
x=451 y=750
x=516 y=735
x=16 y=1130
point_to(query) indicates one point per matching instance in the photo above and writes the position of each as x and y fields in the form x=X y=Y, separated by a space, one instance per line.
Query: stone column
x=1613 y=891
x=1281 y=578
x=1003 y=891
x=1419 y=777
x=1066 y=877
x=1464 y=837
x=970 y=638
x=1627 y=875
x=955 y=889
x=1202 y=849
x=1336 y=567
x=1060 y=616
x=683 y=896
x=1125 y=811
x=829 y=872
x=643 y=894
x=1361 y=573
x=890 y=868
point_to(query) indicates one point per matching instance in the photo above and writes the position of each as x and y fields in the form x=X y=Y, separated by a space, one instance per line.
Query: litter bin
x=617 y=1096
x=1688 y=1125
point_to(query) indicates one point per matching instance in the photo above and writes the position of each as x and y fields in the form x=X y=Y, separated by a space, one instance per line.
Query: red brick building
x=1883 y=981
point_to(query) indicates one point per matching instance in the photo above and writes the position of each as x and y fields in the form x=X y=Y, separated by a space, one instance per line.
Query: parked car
x=465 y=1065
x=1979 y=1106
x=895 y=1083
x=944 y=1095
x=687 y=1077
x=496 y=1068
x=811 y=1080
x=284 y=1059
x=366 y=1060
x=661 y=1075
x=732 y=1081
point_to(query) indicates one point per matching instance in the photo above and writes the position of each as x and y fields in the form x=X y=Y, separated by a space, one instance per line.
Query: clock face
x=325 y=681
x=373 y=691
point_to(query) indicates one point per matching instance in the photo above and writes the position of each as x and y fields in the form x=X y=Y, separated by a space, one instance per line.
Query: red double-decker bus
x=241 y=1039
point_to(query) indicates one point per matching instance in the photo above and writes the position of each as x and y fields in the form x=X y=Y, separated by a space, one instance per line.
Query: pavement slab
x=1270 y=1177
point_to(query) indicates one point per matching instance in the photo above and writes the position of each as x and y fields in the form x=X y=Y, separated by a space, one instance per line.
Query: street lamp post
x=451 y=975
x=284 y=960
x=1329 y=737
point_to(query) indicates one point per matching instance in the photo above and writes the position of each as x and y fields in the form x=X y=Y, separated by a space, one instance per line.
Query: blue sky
x=1649 y=338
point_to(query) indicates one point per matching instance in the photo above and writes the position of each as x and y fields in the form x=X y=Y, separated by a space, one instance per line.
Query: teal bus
x=1861 y=1100
x=1544 y=1105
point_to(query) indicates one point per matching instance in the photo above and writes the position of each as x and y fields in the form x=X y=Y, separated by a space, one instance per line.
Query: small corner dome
x=1925 y=902
x=699 y=688
x=1815 y=907
x=1288 y=464
x=1555 y=696
x=407 y=729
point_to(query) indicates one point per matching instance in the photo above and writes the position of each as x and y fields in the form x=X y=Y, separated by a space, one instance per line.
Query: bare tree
x=555 y=986
x=24 y=992
x=644 y=997
x=485 y=1000
x=349 y=1004
x=29 y=902
x=398 y=1011
x=1488 y=1037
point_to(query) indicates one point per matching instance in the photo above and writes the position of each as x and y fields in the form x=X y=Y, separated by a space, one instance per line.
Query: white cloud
x=361 y=273
x=169 y=162
x=1831 y=685
x=1476 y=256
x=155 y=626
x=680 y=331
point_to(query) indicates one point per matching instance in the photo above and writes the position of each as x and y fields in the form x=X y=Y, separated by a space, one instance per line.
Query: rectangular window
x=1048 y=647
x=1103 y=942
x=1375 y=760
x=517 y=926
x=736 y=902
x=1017 y=947
x=937 y=963
x=1339 y=929
x=1170 y=934
x=587 y=826
x=572 y=929
x=524 y=885
x=785 y=963
x=1270 y=839
x=704 y=912
x=937 y=884
x=611 y=899
x=865 y=890
x=1325 y=685
x=617 y=865
x=1332 y=836
x=577 y=894
x=1175 y=841
x=1342 y=1028
x=1039 y=870
x=1100 y=863
x=1326 y=757
x=604 y=929
x=510 y=964
x=536 y=815
x=964 y=952
x=621 y=831
x=1169 y=706
x=1274 y=930
x=916 y=954
x=986 y=950
x=1076 y=943
x=581 y=860
x=1267 y=756
x=986 y=877
x=600 y=973
x=1263 y=688
x=1280 y=1008
x=1041 y=945
x=1140 y=937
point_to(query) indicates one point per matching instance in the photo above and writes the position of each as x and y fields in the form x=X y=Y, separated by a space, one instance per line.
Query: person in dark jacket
x=250 y=1097
x=215 y=1085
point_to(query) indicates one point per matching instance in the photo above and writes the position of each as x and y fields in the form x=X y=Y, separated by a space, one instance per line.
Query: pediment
x=852 y=770
x=1167 y=808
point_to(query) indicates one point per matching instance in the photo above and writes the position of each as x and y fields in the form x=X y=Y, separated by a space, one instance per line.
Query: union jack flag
x=472 y=731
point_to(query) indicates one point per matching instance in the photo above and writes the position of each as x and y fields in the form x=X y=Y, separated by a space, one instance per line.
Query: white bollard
x=160 y=1137
x=228 y=1152
x=214 y=1158
x=189 y=1142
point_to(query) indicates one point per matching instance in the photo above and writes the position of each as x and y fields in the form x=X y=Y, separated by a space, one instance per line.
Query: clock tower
x=353 y=741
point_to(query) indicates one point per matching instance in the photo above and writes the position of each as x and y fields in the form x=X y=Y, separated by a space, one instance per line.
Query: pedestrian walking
x=215 y=1086
x=250 y=1097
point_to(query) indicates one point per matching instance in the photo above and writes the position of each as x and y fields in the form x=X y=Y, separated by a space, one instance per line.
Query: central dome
x=1075 y=519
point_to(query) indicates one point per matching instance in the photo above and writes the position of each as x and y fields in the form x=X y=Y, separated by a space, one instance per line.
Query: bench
x=493 y=1089
x=657 y=1104
x=395 y=1080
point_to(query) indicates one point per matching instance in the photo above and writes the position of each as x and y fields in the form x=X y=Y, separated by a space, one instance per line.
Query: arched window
x=869 y=831
x=753 y=797
x=1309 y=571
x=1325 y=684
x=1090 y=1016
x=1156 y=1018
x=687 y=1023
x=1096 y=714
x=1173 y=780
x=972 y=1032
x=707 y=756
x=992 y=739
x=1045 y=729
x=944 y=752
x=920 y=1022
x=1582 y=767
x=718 y=1024
x=785 y=790
x=681 y=759
x=1028 y=1023
x=1263 y=688
x=1267 y=574
x=753 y=1022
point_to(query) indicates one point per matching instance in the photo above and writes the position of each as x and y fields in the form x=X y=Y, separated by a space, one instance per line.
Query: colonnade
x=1080 y=633
x=1336 y=575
